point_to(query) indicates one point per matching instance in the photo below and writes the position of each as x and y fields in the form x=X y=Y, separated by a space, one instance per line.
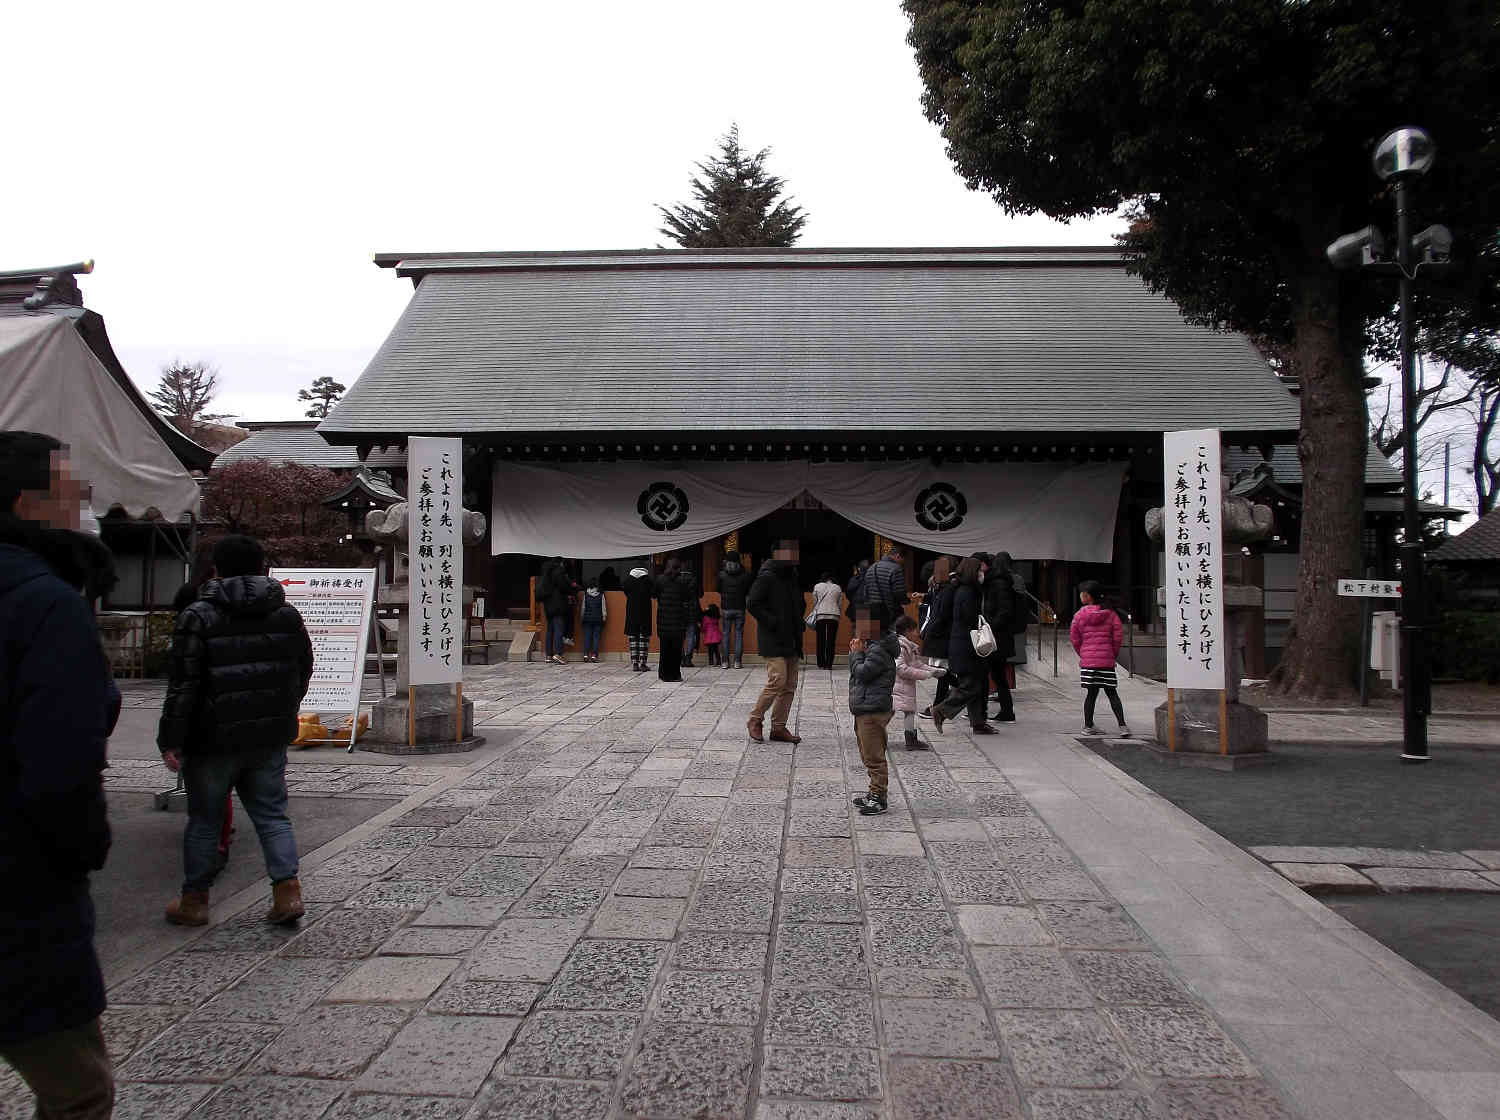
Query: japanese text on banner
x=435 y=514
x=1194 y=560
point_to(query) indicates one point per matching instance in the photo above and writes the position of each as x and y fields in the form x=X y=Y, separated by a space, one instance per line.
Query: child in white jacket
x=911 y=667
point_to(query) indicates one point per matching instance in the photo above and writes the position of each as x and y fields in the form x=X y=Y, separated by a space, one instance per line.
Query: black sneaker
x=925 y=713
x=873 y=806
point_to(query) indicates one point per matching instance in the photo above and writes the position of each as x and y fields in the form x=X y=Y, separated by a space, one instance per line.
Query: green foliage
x=1466 y=646
x=1238 y=135
x=324 y=393
x=737 y=204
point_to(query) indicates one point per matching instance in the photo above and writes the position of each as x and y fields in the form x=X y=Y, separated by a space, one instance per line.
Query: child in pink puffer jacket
x=910 y=668
x=1097 y=635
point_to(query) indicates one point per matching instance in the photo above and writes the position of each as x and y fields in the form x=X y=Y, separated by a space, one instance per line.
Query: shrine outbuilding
x=617 y=407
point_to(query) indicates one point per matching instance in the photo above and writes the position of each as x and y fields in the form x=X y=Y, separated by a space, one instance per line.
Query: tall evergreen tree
x=184 y=394
x=324 y=393
x=739 y=203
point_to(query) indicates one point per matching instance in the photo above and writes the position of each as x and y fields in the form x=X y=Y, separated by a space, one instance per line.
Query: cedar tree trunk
x=1322 y=650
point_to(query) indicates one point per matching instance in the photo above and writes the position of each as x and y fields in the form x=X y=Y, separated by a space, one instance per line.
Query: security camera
x=1434 y=245
x=1365 y=246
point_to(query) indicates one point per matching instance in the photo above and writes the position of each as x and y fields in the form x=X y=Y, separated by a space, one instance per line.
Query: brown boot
x=782 y=735
x=189 y=910
x=286 y=902
x=757 y=729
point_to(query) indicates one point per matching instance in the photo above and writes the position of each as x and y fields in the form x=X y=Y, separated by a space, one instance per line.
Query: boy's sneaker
x=1125 y=732
x=925 y=713
x=1090 y=729
x=869 y=804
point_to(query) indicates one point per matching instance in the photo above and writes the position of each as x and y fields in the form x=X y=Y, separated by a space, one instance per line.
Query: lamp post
x=1402 y=155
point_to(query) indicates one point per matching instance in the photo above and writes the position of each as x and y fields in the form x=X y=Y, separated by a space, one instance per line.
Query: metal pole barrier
x=1366 y=628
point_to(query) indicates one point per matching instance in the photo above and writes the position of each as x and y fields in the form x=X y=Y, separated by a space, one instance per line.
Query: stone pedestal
x=436 y=724
x=1197 y=732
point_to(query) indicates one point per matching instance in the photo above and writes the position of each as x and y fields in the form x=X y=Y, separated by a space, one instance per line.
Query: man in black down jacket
x=241 y=660
x=780 y=615
x=884 y=588
x=58 y=705
x=734 y=585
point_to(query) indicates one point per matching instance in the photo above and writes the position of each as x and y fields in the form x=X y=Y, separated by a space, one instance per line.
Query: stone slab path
x=636 y=912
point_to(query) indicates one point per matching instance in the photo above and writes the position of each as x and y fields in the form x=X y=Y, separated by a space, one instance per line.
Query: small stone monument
x=1196 y=711
x=436 y=715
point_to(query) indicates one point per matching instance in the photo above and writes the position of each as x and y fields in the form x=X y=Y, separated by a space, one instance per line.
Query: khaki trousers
x=870 y=731
x=780 y=691
x=68 y=1070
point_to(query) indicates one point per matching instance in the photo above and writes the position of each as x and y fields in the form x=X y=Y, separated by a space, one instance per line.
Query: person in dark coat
x=938 y=626
x=972 y=671
x=780 y=615
x=240 y=664
x=58 y=705
x=554 y=590
x=1001 y=609
x=639 y=590
x=734 y=585
x=695 y=616
x=854 y=590
x=884 y=588
x=674 y=605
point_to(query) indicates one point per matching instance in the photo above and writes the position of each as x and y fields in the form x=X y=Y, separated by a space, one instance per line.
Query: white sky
x=231 y=168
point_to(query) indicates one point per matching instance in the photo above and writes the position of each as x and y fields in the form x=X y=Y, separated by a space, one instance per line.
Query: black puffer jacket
x=884 y=588
x=734 y=585
x=639 y=591
x=967 y=601
x=553 y=587
x=241 y=660
x=58 y=705
x=674 y=601
x=939 y=622
x=1001 y=604
x=776 y=603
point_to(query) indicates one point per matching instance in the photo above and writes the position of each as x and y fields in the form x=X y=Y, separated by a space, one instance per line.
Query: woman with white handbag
x=969 y=646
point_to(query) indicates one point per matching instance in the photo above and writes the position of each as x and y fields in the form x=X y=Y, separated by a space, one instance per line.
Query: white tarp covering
x=1057 y=511
x=51 y=382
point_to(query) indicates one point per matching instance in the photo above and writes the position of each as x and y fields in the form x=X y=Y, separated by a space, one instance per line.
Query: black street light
x=1402 y=155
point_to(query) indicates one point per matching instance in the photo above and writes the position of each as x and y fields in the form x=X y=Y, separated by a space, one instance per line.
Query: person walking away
x=239 y=666
x=186 y=596
x=1000 y=611
x=910 y=668
x=972 y=670
x=1023 y=604
x=672 y=606
x=554 y=587
x=734 y=585
x=713 y=635
x=939 y=625
x=854 y=590
x=775 y=600
x=594 y=615
x=58 y=705
x=828 y=605
x=1097 y=635
x=884 y=588
x=873 y=656
x=639 y=590
x=695 y=615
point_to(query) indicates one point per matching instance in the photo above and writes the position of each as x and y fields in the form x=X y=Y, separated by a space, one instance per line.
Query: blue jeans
x=734 y=635
x=556 y=629
x=260 y=780
x=591 y=632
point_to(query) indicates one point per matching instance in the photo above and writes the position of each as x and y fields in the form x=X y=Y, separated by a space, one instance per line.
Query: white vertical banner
x=434 y=509
x=1194 y=559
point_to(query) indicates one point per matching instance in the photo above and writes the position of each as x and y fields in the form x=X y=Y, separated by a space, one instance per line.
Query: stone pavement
x=633 y=911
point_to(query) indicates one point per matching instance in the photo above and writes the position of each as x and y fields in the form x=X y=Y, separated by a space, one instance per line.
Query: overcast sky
x=231 y=168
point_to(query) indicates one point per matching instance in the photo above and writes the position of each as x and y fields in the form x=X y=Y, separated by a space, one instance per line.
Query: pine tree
x=738 y=203
x=184 y=393
x=324 y=393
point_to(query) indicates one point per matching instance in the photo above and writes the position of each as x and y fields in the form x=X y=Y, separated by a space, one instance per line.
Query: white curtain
x=1057 y=511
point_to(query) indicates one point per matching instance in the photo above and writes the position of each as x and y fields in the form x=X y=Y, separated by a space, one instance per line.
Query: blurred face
x=787 y=552
x=60 y=505
x=867 y=630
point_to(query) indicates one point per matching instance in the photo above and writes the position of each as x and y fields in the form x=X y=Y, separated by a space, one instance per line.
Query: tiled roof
x=1480 y=541
x=827 y=342
x=1287 y=467
x=289 y=441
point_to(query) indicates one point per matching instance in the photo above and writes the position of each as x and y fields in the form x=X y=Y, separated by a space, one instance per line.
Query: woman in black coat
x=639 y=590
x=938 y=626
x=673 y=602
x=972 y=671
x=1000 y=611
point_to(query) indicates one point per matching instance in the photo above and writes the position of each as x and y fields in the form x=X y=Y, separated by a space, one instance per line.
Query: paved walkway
x=633 y=911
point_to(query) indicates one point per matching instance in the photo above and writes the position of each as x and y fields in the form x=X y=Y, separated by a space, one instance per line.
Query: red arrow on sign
x=289 y=582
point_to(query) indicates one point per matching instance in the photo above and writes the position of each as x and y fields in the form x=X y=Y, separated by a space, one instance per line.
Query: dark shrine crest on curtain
x=663 y=507
x=940 y=507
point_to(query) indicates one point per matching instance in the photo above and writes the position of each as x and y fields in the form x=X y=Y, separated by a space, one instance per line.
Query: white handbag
x=983 y=638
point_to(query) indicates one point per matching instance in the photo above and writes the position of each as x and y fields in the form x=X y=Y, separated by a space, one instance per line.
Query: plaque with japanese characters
x=1193 y=537
x=335 y=605
x=436 y=572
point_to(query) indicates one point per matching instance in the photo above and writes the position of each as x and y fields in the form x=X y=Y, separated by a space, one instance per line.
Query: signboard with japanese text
x=1193 y=537
x=435 y=511
x=1370 y=588
x=335 y=604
